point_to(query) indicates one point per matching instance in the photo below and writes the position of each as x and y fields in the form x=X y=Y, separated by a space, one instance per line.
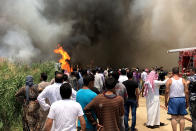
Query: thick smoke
x=99 y=32
x=24 y=33
x=164 y=25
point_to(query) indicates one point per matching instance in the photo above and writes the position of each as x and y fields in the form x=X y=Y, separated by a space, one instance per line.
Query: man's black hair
x=115 y=75
x=130 y=75
x=123 y=72
x=55 y=72
x=59 y=77
x=65 y=77
x=87 y=79
x=84 y=72
x=175 y=70
x=65 y=91
x=94 y=71
x=100 y=70
x=44 y=76
x=110 y=83
x=74 y=69
x=77 y=75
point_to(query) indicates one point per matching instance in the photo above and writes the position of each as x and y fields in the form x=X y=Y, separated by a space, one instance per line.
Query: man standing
x=144 y=75
x=143 y=78
x=119 y=87
x=42 y=85
x=192 y=96
x=133 y=101
x=123 y=76
x=98 y=82
x=162 y=75
x=109 y=109
x=152 y=86
x=64 y=113
x=101 y=73
x=82 y=73
x=177 y=91
x=52 y=92
x=73 y=80
x=85 y=96
x=30 y=107
x=136 y=75
x=42 y=114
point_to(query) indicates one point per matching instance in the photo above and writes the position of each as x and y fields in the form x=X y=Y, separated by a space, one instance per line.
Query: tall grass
x=12 y=77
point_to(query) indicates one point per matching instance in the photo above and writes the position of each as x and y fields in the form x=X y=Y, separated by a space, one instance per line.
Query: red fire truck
x=187 y=58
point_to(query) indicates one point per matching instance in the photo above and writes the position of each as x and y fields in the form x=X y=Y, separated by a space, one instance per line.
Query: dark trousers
x=87 y=129
x=133 y=105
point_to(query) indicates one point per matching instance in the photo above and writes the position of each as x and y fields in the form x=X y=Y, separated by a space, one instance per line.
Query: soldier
x=192 y=96
x=30 y=106
x=42 y=114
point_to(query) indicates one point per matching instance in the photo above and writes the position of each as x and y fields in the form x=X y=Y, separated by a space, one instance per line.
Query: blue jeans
x=133 y=105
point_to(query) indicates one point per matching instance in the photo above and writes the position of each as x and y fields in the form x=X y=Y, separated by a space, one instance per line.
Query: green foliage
x=12 y=77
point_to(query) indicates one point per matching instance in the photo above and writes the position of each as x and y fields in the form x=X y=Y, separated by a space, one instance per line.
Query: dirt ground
x=164 y=117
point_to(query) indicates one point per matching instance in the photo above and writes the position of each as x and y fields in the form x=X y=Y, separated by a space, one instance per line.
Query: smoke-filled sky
x=101 y=32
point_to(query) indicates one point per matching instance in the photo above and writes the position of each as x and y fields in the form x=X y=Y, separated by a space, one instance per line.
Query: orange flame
x=64 y=60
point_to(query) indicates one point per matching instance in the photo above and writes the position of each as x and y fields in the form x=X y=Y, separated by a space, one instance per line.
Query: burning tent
x=187 y=57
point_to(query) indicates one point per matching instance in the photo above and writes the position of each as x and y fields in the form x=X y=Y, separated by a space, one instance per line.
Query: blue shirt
x=84 y=97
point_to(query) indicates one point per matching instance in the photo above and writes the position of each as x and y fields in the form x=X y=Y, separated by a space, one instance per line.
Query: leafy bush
x=12 y=77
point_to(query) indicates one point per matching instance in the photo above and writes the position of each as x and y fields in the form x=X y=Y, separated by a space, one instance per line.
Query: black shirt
x=131 y=86
x=94 y=89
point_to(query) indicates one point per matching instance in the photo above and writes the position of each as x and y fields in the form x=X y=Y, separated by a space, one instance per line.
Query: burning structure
x=187 y=57
x=65 y=59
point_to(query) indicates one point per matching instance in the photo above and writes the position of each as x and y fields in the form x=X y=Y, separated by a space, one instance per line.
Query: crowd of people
x=100 y=100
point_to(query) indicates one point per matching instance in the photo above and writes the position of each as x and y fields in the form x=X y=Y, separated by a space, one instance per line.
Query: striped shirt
x=109 y=111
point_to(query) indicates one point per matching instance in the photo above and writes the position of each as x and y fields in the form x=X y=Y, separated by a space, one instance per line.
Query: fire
x=65 y=59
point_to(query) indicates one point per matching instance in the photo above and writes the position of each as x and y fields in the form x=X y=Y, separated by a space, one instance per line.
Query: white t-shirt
x=98 y=82
x=64 y=114
x=122 y=78
x=144 y=76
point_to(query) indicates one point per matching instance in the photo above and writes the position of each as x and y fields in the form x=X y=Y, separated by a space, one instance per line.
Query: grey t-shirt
x=121 y=90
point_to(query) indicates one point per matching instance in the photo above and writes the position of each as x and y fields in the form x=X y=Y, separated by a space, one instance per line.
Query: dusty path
x=164 y=117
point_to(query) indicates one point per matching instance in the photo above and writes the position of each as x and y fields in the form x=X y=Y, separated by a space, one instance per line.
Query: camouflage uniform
x=192 y=100
x=42 y=114
x=192 y=92
x=30 y=108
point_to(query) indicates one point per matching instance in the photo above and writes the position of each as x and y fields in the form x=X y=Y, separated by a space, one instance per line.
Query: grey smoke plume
x=164 y=25
x=24 y=33
x=99 y=32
